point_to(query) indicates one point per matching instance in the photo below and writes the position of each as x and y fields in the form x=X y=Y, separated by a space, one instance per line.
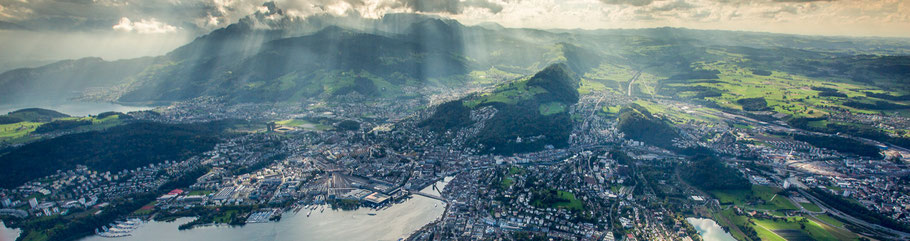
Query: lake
x=709 y=230
x=76 y=108
x=8 y=234
x=393 y=223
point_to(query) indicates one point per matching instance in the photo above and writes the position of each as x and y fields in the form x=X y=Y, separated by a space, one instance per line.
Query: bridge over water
x=433 y=196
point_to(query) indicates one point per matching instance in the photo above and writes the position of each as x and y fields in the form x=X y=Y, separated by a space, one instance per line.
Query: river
x=393 y=223
x=709 y=230
x=76 y=108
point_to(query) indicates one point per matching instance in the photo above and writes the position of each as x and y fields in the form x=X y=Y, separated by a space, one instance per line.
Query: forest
x=118 y=148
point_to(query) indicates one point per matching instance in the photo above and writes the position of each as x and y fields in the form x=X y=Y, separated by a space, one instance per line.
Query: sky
x=32 y=30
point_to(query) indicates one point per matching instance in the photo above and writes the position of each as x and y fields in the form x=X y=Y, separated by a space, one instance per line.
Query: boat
x=114 y=235
x=308 y=214
x=119 y=228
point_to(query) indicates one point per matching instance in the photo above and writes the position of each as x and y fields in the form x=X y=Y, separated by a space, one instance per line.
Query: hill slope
x=31 y=115
x=333 y=62
x=118 y=148
x=637 y=123
x=521 y=116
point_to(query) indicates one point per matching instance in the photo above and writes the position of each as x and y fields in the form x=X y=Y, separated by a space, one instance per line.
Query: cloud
x=449 y=6
x=801 y=1
x=197 y=17
x=628 y=2
x=674 y=5
x=144 y=26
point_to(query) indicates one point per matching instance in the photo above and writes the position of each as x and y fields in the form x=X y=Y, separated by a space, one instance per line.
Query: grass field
x=830 y=220
x=17 y=130
x=809 y=227
x=552 y=108
x=573 y=203
x=561 y=200
x=588 y=86
x=783 y=228
x=728 y=214
x=759 y=197
x=811 y=207
x=516 y=170
x=508 y=93
x=491 y=76
x=786 y=93
x=741 y=126
x=506 y=183
x=298 y=123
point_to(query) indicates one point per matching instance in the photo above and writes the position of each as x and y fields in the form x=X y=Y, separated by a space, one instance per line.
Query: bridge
x=433 y=196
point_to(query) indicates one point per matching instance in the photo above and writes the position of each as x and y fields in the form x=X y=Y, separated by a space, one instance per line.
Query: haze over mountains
x=271 y=57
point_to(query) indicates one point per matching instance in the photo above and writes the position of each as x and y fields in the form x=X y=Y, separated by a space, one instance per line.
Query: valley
x=508 y=133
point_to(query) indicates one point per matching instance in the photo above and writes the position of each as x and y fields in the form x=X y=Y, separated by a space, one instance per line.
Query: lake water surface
x=393 y=223
x=709 y=230
x=8 y=234
x=76 y=108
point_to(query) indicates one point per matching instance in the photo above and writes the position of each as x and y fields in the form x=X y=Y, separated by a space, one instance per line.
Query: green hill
x=520 y=116
x=118 y=148
x=31 y=115
x=638 y=124
x=710 y=174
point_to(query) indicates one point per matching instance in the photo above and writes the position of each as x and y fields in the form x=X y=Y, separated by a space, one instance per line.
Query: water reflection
x=709 y=230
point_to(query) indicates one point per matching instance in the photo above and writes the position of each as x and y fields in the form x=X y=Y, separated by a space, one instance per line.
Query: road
x=632 y=80
x=855 y=221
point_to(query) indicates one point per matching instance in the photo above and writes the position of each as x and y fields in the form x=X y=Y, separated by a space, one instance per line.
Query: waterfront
x=709 y=230
x=392 y=223
x=76 y=108
x=8 y=234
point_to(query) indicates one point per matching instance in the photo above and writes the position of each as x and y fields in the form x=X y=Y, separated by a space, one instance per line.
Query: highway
x=632 y=80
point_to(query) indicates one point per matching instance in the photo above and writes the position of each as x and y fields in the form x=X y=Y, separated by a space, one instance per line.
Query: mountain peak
x=559 y=81
x=556 y=71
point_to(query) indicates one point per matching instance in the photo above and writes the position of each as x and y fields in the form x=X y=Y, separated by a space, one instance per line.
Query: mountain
x=272 y=56
x=332 y=62
x=521 y=116
x=66 y=79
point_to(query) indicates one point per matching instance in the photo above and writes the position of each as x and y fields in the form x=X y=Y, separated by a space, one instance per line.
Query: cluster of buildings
x=82 y=189
x=602 y=187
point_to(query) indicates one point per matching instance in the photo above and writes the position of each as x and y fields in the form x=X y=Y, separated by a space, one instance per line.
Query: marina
x=391 y=222
x=119 y=229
